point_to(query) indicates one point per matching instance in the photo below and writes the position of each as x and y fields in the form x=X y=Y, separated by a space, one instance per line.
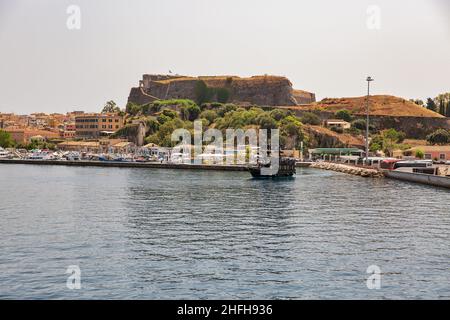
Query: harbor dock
x=119 y=164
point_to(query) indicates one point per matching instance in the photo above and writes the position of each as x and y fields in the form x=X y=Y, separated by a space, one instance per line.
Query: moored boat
x=286 y=168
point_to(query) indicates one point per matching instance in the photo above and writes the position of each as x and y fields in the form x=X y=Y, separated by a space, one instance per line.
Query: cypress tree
x=442 y=107
x=431 y=105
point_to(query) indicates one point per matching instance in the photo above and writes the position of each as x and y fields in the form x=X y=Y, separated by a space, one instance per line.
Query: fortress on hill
x=257 y=90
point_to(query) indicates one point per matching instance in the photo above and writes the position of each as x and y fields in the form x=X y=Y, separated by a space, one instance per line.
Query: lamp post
x=369 y=79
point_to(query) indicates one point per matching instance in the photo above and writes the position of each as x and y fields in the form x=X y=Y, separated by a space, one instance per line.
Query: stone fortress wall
x=257 y=90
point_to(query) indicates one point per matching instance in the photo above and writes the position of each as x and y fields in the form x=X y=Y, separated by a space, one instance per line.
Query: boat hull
x=439 y=181
x=256 y=173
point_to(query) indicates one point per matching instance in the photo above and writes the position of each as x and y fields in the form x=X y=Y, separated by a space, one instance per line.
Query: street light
x=369 y=79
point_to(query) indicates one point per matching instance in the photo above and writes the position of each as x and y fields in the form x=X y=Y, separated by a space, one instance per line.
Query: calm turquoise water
x=154 y=233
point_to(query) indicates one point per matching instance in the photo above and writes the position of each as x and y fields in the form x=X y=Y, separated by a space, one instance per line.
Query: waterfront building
x=96 y=146
x=94 y=125
x=437 y=153
x=334 y=153
x=25 y=135
x=87 y=146
x=155 y=151
x=123 y=147
x=337 y=123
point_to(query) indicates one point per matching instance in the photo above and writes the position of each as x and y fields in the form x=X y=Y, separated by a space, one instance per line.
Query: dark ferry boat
x=286 y=169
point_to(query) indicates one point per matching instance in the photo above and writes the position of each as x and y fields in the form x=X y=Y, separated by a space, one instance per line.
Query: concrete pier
x=83 y=163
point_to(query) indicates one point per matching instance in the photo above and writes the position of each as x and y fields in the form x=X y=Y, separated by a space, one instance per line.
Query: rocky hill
x=382 y=105
x=385 y=112
x=257 y=90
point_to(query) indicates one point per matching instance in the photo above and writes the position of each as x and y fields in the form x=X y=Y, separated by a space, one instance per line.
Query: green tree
x=419 y=154
x=310 y=118
x=166 y=115
x=209 y=115
x=375 y=146
x=359 y=124
x=387 y=141
x=440 y=136
x=337 y=129
x=265 y=121
x=6 y=140
x=431 y=105
x=152 y=126
x=110 y=107
x=442 y=107
x=291 y=133
x=278 y=114
x=193 y=111
x=344 y=115
x=226 y=108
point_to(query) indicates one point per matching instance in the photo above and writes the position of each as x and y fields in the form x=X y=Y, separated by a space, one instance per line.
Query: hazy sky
x=324 y=46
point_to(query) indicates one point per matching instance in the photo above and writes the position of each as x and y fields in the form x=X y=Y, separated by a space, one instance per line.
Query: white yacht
x=4 y=154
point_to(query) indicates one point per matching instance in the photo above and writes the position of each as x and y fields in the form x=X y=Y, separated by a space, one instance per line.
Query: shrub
x=6 y=140
x=226 y=108
x=375 y=146
x=265 y=121
x=193 y=112
x=420 y=154
x=344 y=115
x=440 y=136
x=359 y=124
x=277 y=114
x=152 y=125
x=209 y=115
x=337 y=129
x=310 y=118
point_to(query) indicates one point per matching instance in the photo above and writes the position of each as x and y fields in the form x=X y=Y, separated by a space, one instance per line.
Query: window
x=442 y=156
x=428 y=156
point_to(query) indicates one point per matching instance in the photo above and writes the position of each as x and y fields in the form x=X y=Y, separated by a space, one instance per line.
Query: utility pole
x=369 y=79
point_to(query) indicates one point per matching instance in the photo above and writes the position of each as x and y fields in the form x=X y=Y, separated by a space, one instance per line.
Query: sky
x=48 y=64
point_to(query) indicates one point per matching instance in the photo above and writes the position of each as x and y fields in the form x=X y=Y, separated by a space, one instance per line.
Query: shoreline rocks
x=344 y=168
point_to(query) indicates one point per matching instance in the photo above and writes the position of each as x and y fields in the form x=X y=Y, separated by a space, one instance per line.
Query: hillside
x=383 y=105
x=325 y=137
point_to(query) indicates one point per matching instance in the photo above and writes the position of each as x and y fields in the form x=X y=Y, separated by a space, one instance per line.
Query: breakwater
x=358 y=171
x=85 y=163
